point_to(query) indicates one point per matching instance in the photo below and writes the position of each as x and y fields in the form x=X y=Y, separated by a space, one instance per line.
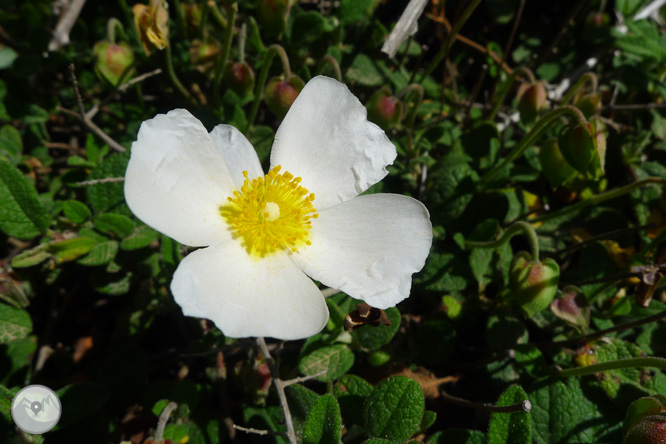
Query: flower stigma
x=270 y=213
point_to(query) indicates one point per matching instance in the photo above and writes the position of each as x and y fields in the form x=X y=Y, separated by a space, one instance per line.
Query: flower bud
x=577 y=146
x=239 y=77
x=589 y=104
x=556 y=169
x=641 y=409
x=384 y=109
x=113 y=61
x=204 y=54
x=151 y=24
x=272 y=15
x=531 y=100
x=280 y=94
x=651 y=430
x=600 y=132
x=533 y=283
x=378 y=358
x=572 y=306
x=597 y=19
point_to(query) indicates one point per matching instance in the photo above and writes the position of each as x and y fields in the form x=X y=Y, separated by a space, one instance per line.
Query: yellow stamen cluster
x=270 y=213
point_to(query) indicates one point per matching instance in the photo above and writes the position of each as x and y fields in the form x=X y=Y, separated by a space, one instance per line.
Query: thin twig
x=258 y=432
x=635 y=107
x=524 y=406
x=61 y=33
x=164 y=417
x=105 y=180
x=604 y=236
x=121 y=89
x=293 y=381
x=94 y=128
x=279 y=386
x=77 y=92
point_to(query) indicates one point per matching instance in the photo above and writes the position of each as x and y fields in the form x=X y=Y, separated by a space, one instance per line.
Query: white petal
x=239 y=155
x=245 y=296
x=176 y=179
x=369 y=247
x=327 y=140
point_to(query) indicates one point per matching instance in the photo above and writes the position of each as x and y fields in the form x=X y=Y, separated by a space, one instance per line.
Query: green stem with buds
x=659 y=363
x=217 y=15
x=587 y=77
x=271 y=52
x=112 y=26
x=502 y=92
x=174 y=79
x=514 y=229
x=330 y=60
x=595 y=200
x=537 y=130
x=224 y=55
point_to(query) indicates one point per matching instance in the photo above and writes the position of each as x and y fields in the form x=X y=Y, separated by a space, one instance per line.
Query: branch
x=279 y=386
x=293 y=381
x=105 y=180
x=121 y=89
x=405 y=27
x=258 y=432
x=164 y=417
x=61 y=33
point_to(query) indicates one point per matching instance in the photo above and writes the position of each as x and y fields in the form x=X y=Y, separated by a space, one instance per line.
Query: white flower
x=264 y=233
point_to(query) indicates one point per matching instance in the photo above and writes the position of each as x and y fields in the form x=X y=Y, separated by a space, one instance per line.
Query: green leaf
x=7 y=57
x=354 y=11
x=504 y=330
x=6 y=397
x=76 y=211
x=31 y=257
x=374 y=337
x=21 y=213
x=394 y=409
x=15 y=323
x=571 y=411
x=140 y=238
x=510 y=428
x=307 y=27
x=458 y=436
x=429 y=418
x=335 y=360
x=78 y=400
x=70 y=249
x=301 y=400
x=108 y=196
x=116 y=224
x=364 y=71
x=100 y=254
x=323 y=425
x=351 y=392
x=480 y=258
x=10 y=141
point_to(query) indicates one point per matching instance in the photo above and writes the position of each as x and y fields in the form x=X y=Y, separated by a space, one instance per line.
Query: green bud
x=384 y=109
x=239 y=77
x=531 y=100
x=533 y=283
x=452 y=307
x=272 y=15
x=651 y=430
x=589 y=104
x=641 y=409
x=280 y=94
x=577 y=146
x=572 y=306
x=600 y=132
x=113 y=62
x=553 y=164
x=378 y=358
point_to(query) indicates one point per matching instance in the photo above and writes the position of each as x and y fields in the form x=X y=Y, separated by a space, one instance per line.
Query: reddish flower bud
x=597 y=19
x=651 y=430
x=113 y=62
x=272 y=15
x=531 y=100
x=384 y=109
x=533 y=283
x=589 y=104
x=641 y=409
x=280 y=94
x=239 y=77
x=553 y=164
x=572 y=307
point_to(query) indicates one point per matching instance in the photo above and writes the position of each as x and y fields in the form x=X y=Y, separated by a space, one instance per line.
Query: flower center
x=270 y=213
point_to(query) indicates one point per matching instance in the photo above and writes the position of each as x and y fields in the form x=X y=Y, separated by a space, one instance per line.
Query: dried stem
x=289 y=382
x=105 y=180
x=94 y=128
x=121 y=89
x=279 y=386
x=258 y=432
x=164 y=417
